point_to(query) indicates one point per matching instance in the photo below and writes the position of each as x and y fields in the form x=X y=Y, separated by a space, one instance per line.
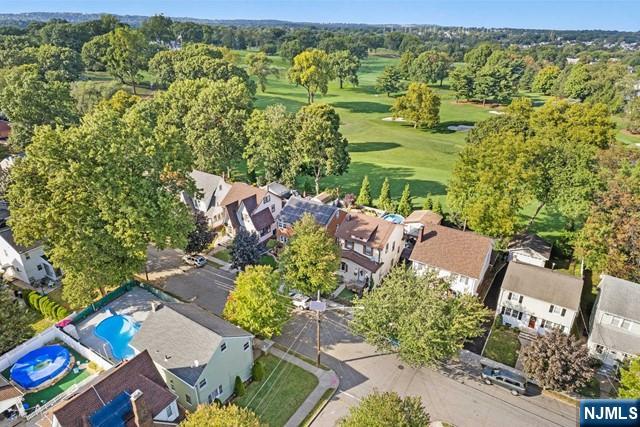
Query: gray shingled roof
x=620 y=297
x=532 y=242
x=7 y=235
x=207 y=184
x=615 y=338
x=182 y=338
x=543 y=284
x=297 y=207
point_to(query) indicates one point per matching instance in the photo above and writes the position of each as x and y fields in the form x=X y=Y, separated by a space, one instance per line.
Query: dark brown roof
x=373 y=231
x=424 y=216
x=461 y=252
x=361 y=260
x=138 y=373
x=531 y=242
x=240 y=191
x=262 y=219
x=335 y=222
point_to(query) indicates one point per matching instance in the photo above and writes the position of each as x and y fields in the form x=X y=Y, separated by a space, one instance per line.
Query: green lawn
x=268 y=260
x=347 y=295
x=223 y=255
x=502 y=346
x=277 y=397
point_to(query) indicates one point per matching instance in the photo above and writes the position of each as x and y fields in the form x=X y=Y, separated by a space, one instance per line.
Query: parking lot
x=208 y=286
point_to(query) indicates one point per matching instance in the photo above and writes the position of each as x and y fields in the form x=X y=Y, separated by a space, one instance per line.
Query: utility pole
x=318 y=306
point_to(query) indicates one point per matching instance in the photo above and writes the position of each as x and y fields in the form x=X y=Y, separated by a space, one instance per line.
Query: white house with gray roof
x=211 y=190
x=198 y=354
x=615 y=321
x=537 y=299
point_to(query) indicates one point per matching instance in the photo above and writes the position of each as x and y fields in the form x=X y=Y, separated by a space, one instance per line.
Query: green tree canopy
x=244 y=249
x=364 y=197
x=430 y=67
x=546 y=79
x=57 y=63
x=312 y=70
x=419 y=105
x=201 y=236
x=15 y=319
x=383 y=409
x=94 y=53
x=576 y=84
x=404 y=205
x=255 y=303
x=158 y=28
x=98 y=194
x=345 y=67
x=311 y=258
x=633 y=116
x=260 y=66
x=127 y=55
x=221 y=416
x=630 y=380
x=321 y=150
x=384 y=201
x=390 y=81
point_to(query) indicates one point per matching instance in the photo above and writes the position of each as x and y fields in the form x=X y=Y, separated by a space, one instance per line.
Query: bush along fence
x=44 y=305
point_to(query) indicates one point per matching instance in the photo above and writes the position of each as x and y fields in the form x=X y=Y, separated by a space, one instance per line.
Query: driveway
x=449 y=393
x=207 y=287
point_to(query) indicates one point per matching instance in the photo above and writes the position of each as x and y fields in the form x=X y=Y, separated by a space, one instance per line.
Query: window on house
x=520 y=299
x=510 y=296
x=187 y=398
x=367 y=250
x=219 y=390
x=273 y=208
x=563 y=312
x=393 y=245
x=555 y=309
x=386 y=248
x=626 y=324
x=599 y=349
x=223 y=347
x=606 y=318
x=348 y=244
x=169 y=411
x=246 y=346
x=27 y=256
x=344 y=267
x=616 y=321
x=267 y=198
x=203 y=383
x=39 y=267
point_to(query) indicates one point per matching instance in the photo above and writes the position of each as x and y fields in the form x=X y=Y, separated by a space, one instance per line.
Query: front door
x=532 y=322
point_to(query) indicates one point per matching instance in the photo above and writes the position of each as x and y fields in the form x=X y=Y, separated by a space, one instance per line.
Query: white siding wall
x=28 y=266
x=460 y=284
x=524 y=258
x=169 y=413
x=533 y=307
x=608 y=355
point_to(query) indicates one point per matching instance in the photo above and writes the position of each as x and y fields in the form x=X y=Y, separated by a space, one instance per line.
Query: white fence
x=45 y=337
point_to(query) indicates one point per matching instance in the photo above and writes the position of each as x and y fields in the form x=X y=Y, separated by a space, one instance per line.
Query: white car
x=300 y=301
x=195 y=260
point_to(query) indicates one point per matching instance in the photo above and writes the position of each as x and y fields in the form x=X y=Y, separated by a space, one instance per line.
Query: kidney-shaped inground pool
x=118 y=330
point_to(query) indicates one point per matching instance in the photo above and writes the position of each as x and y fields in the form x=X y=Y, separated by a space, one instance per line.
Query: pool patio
x=136 y=303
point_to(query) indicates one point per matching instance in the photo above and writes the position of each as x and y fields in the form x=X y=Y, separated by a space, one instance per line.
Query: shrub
x=257 y=372
x=239 y=388
x=61 y=313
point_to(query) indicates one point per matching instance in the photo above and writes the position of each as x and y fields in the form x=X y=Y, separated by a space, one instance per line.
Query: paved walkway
x=326 y=380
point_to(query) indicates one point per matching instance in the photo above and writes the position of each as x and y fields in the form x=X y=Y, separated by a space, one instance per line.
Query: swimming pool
x=118 y=331
x=43 y=365
x=394 y=218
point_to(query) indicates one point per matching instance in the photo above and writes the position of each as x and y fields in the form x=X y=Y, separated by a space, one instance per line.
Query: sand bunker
x=394 y=119
x=460 y=128
x=499 y=113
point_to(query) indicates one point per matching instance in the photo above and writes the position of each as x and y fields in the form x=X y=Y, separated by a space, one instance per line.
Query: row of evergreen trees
x=404 y=206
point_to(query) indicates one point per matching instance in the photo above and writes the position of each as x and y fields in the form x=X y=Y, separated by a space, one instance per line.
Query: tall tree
x=418 y=316
x=88 y=94
x=127 y=55
x=15 y=319
x=419 y=105
x=221 y=416
x=462 y=82
x=430 y=67
x=94 y=53
x=630 y=380
x=57 y=63
x=633 y=115
x=384 y=200
x=311 y=258
x=312 y=70
x=390 y=81
x=321 y=150
x=404 y=205
x=255 y=303
x=260 y=66
x=345 y=67
x=380 y=409
x=557 y=361
x=576 y=84
x=546 y=78
x=29 y=101
x=158 y=28
x=99 y=194
x=364 y=197
x=244 y=249
x=201 y=236
x=271 y=133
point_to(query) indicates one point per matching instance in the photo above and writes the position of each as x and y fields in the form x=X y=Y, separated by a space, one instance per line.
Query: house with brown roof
x=370 y=246
x=251 y=208
x=462 y=257
x=415 y=222
x=326 y=216
x=538 y=299
x=133 y=394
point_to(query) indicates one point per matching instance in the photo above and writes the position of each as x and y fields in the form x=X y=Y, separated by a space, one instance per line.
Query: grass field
x=277 y=397
x=503 y=345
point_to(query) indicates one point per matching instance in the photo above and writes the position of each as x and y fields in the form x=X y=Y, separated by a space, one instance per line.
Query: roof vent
x=196 y=363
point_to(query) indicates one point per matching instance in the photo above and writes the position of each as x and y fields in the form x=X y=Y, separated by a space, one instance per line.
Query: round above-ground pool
x=118 y=331
x=43 y=365
x=394 y=218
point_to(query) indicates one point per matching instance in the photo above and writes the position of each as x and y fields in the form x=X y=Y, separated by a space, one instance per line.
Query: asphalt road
x=450 y=394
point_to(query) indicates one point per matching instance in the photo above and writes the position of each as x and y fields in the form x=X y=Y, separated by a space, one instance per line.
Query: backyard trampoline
x=41 y=367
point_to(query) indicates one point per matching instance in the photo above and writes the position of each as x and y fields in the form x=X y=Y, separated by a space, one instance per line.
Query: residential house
x=198 y=354
x=132 y=393
x=370 y=247
x=462 y=257
x=615 y=321
x=417 y=220
x=8 y=162
x=325 y=215
x=537 y=299
x=10 y=399
x=251 y=208
x=530 y=249
x=280 y=190
x=212 y=189
x=26 y=263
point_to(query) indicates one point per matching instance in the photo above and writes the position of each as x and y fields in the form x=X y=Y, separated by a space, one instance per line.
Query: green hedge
x=45 y=306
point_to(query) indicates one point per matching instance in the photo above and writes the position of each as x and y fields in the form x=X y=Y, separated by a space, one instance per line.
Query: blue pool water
x=118 y=331
x=394 y=218
x=40 y=365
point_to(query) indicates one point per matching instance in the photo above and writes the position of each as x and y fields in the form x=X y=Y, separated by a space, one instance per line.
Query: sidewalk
x=326 y=380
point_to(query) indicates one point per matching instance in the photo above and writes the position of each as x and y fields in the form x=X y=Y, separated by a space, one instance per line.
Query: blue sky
x=550 y=14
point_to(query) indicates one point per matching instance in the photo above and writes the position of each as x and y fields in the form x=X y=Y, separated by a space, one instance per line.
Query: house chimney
x=155 y=306
x=141 y=413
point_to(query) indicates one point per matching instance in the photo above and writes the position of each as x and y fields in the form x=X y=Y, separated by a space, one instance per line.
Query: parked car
x=300 y=301
x=195 y=260
x=517 y=384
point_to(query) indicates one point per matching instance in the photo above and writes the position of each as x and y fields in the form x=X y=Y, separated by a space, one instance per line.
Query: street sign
x=317 y=305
